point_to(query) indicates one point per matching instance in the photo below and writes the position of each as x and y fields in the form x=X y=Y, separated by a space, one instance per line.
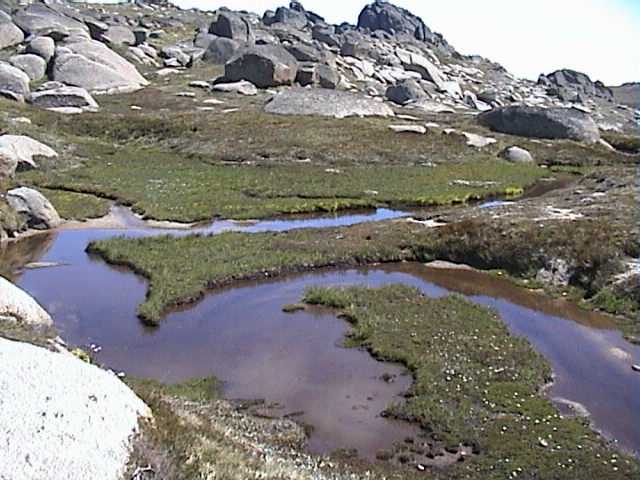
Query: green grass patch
x=474 y=385
x=180 y=270
x=76 y=206
x=165 y=186
x=195 y=390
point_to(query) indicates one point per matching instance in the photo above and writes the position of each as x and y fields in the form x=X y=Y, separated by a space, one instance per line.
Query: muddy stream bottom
x=295 y=362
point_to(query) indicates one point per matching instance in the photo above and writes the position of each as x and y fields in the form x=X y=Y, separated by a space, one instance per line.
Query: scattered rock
x=18 y=306
x=421 y=65
x=231 y=25
x=538 y=122
x=327 y=35
x=242 y=87
x=220 y=50
x=405 y=92
x=568 y=85
x=430 y=106
x=326 y=103
x=33 y=65
x=327 y=77
x=95 y=67
x=557 y=272
x=200 y=84
x=517 y=155
x=119 y=35
x=62 y=98
x=10 y=34
x=13 y=80
x=408 y=129
x=38 y=19
x=37 y=210
x=76 y=420
x=635 y=368
x=308 y=53
x=263 y=65
x=478 y=141
x=384 y=16
x=44 y=47
x=18 y=152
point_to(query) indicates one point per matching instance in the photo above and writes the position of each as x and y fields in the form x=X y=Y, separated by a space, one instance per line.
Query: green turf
x=475 y=385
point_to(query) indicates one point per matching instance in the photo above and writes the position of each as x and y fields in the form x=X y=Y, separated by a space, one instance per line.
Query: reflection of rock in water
x=15 y=255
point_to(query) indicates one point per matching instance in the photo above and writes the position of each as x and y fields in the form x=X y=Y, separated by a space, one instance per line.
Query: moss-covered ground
x=190 y=190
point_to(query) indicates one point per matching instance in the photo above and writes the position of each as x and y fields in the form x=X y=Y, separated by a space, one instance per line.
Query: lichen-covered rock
x=94 y=66
x=33 y=65
x=263 y=65
x=405 y=92
x=34 y=207
x=62 y=98
x=231 y=25
x=39 y=19
x=557 y=272
x=326 y=103
x=220 y=50
x=13 y=80
x=18 y=306
x=18 y=151
x=10 y=34
x=539 y=122
x=44 y=47
x=517 y=155
x=242 y=87
x=63 y=418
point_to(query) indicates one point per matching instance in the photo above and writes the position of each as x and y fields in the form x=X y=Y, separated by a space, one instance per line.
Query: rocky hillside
x=628 y=94
x=58 y=55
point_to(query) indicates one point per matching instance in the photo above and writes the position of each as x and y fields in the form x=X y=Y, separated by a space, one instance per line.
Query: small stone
x=199 y=84
x=635 y=368
x=517 y=155
x=419 y=129
x=544 y=443
x=242 y=87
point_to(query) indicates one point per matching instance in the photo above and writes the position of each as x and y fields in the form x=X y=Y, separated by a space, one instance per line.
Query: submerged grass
x=475 y=385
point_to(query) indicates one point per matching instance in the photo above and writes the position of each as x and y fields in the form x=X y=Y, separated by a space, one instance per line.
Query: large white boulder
x=35 y=207
x=19 y=151
x=18 y=306
x=326 y=103
x=10 y=34
x=62 y=418
x=64 y=100
x=94 y=66
x=13 y=80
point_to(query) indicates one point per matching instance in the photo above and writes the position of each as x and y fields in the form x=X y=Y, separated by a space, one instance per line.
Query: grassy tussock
x=475 y=385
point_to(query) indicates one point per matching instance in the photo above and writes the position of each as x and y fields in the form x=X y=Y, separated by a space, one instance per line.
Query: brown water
x=295 y=360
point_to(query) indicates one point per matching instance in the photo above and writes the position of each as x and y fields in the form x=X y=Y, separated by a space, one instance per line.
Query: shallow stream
x=295 y=362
